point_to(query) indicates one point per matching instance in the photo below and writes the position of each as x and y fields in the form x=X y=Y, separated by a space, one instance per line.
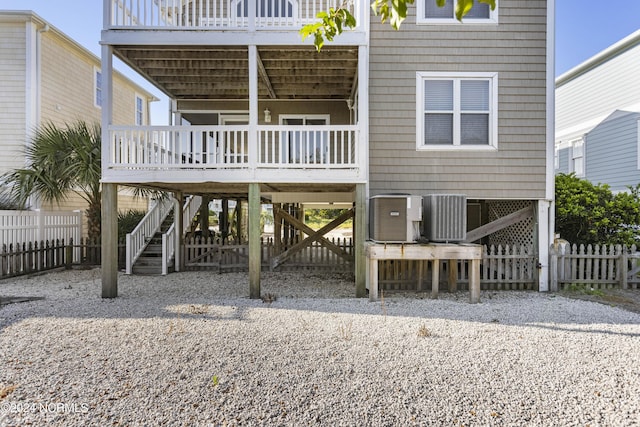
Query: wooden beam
x=359 y=224
x=499 y=224
x=313 y=236
x=109 y=227
x=254 y=241
x=265 y=77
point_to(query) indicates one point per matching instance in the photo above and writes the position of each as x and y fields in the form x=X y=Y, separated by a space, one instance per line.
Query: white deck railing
x=223 y=14
x=138 y=239
x=225 y=147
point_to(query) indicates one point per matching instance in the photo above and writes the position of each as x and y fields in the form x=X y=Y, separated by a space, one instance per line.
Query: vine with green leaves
x=333 y=22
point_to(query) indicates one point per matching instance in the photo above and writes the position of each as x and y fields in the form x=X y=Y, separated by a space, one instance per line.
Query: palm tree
x=62 y=161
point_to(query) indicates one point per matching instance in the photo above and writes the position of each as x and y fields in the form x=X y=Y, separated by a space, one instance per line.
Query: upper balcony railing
x=173 y=148
x=221 y=14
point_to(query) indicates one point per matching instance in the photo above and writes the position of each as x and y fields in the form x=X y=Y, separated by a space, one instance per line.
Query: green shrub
x=593 y=214
x=128 y=220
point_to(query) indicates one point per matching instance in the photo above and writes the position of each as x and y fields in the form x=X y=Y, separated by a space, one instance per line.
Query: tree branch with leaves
x=333 y=22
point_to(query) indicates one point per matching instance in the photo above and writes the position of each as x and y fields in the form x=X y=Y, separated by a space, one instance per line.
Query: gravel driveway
x=192 y=349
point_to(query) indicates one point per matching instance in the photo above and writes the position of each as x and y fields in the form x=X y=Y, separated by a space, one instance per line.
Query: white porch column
x=363 y=112
x=543 y=217
x=253 y=108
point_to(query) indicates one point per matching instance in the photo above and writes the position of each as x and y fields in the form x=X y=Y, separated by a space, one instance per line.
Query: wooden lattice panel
x=521 y=233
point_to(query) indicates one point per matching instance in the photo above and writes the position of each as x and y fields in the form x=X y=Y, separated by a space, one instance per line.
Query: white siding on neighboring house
x=13 y=107
x=586 y=95
x=611 y=151
x=46 y=76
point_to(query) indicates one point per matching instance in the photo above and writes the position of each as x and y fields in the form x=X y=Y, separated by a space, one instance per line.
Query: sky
x=583 y=28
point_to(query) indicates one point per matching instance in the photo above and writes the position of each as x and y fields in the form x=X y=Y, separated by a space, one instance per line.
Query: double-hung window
x=577 y=157
x=428 y=12
x=139 y=111
x=456 y=111
x=97 y=85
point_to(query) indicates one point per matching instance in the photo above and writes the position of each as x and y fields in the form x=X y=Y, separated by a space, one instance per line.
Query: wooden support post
x=373 y=279
x=359 y=238
x=277 y=228
x=435 y=278
x=453 y=275
x=204 y=216
x=474 y=281
x=179 y=239
x=238 y=221
x=223 y=221
x=421 y=267
x=254 y=240
x=109 y=240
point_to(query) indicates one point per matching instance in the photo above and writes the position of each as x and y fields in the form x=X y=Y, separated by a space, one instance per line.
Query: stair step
x=150 y=269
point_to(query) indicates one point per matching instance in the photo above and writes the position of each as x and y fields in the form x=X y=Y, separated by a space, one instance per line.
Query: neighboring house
x=45 y=76
x=438 y=107
x=596 y=117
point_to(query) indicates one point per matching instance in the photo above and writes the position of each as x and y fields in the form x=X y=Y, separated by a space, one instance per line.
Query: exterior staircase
x=150 y=261
x=157 y=254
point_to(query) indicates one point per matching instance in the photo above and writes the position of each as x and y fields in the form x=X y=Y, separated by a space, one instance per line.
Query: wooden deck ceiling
x=210 y=72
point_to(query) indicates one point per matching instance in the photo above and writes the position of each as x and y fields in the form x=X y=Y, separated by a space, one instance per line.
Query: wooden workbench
x=433 y=252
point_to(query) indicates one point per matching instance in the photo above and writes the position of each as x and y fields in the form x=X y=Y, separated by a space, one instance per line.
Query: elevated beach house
x=439 y=107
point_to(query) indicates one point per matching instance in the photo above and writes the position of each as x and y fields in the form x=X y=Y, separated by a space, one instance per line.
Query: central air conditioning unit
x=395 y=218
x=445 y=217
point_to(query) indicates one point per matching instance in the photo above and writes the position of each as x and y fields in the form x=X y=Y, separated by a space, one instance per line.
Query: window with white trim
x=97 y=88
x=457 y=111
x=428 y=12
x=139 y=111
x=577 y=157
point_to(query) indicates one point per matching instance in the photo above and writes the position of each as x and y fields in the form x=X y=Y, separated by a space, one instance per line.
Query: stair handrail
x=168 y=248
x=150 y=224
x=190 y=210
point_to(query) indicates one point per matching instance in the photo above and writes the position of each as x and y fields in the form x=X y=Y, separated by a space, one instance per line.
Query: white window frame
x=142 y=112
x=97 y=88
x=420 y=20
x=492 y=78
x=578 y=143
x=638 y=150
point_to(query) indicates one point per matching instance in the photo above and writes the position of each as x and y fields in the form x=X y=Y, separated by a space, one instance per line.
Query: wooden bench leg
x=453 y=275
x=474 y=282
x=435 y=278
x=373 y=280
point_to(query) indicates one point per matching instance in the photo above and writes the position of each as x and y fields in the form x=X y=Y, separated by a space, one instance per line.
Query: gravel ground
x=192 y=349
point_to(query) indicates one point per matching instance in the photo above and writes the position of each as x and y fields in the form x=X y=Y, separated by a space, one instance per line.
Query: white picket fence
x=36 y=226
x=25 y=227
x=598 y=267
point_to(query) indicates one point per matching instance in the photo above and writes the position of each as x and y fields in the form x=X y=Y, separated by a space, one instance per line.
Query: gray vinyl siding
x=611 y=152
x=516 y=50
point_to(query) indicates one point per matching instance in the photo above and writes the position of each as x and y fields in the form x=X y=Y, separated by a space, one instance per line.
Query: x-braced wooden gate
x=281 y=215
